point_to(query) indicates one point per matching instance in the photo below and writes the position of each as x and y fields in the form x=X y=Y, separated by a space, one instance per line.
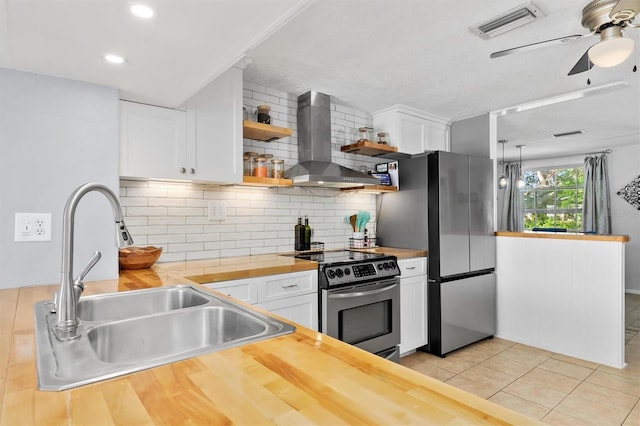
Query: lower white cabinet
x=292 y=296
x=300 y=309
x=413 y=304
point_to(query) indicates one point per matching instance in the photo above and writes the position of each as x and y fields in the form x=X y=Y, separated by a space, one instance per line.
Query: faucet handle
x=92 y=262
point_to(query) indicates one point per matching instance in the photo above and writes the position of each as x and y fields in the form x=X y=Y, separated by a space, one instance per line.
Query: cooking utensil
x=364 y=219
x=353 y=219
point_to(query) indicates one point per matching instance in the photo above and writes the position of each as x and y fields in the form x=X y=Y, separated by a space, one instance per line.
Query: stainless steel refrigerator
x=445 y=205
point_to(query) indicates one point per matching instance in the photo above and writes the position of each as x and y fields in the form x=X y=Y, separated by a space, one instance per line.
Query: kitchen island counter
x=304 y=377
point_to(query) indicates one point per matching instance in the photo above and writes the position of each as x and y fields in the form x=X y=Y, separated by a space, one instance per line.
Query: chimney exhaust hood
x=314 y=166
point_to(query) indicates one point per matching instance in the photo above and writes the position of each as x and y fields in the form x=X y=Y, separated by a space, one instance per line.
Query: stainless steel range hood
x=314 y=148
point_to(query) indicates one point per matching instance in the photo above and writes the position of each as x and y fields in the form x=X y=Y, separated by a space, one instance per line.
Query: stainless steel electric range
x=359 y=297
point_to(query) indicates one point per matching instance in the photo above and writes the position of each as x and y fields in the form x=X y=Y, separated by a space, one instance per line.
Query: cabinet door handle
x=192 y=170
x=410 y=268
x=289 y=285
x=183 y=170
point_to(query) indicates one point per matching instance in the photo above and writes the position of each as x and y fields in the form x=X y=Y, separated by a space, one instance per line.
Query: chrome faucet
x=66 y=305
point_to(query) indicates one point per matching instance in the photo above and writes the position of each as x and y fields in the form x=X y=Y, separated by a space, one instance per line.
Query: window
x=553 y=198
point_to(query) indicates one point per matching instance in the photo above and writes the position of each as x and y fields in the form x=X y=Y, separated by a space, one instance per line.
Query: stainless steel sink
x=135 y=330
x=116 y=306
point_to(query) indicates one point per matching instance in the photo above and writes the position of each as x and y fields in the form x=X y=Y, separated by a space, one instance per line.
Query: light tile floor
x=550 y=387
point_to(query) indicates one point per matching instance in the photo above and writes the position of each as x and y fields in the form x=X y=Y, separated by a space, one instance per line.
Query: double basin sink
x=135 y=330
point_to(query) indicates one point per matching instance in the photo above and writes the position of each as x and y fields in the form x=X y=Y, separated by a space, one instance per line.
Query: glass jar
x=268 y=158
x=263 y=114
x=248 y=163
x=363 y=134
x=260 y=167
x=277 y=168
x=382 y=138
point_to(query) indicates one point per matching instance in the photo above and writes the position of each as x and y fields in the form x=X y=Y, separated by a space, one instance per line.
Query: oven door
x=365 y=315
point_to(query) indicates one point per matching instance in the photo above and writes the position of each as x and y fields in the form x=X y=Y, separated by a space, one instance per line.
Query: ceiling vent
x=562 y=135
x=507 y=21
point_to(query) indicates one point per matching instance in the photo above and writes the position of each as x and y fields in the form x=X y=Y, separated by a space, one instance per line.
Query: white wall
x=624 y=166
x=55 y=135
x=174 y=215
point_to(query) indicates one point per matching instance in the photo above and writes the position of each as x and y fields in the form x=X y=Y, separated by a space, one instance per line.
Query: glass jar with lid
x=382 y=138
x=248 y=163
x=260 y=167
x=268 y=158
x=263 y=114
x=277 y=168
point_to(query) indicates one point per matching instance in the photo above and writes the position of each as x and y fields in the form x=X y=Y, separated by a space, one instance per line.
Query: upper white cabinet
x=412 y=131
x=202 y=144
x=214 y=125
x=153 y=141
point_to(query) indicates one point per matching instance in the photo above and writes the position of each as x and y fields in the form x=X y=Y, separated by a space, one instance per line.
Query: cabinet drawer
x=413 y=267
x=244 y=290
x=275 y=287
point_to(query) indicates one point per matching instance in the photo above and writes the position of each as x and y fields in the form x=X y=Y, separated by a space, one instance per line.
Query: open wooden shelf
x=262 y=181
x=264 y=132
x=373 y=188
x=372 y=149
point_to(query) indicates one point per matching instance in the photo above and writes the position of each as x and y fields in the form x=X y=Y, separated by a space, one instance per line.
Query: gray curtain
x=596 y=208
x=512 y=211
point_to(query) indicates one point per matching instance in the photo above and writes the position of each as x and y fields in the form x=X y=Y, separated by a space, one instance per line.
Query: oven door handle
x=361 y=293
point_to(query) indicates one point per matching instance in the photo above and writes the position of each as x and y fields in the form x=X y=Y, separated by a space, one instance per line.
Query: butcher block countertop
x=564 y=236
x=301 y=378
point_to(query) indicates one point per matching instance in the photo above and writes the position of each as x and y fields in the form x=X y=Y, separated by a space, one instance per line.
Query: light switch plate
x=33 y=227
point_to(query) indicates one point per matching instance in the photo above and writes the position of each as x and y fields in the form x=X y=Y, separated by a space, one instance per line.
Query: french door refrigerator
x=445 y=205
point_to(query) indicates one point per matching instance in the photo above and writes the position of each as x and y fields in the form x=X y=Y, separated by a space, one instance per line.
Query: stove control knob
x=393 y=265
x=339 y=273
x=331 y=274
x=386 y=266
x=347 y=271
x=380 y=266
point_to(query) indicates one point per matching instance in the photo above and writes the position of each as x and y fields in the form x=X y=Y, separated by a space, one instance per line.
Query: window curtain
x=596 y=207
x=512 y=211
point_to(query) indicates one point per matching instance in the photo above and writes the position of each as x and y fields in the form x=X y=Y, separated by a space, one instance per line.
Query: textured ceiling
x=369 y=54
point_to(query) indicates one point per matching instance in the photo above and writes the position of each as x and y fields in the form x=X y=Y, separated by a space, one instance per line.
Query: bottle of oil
x=307 y=234
x=298 y=231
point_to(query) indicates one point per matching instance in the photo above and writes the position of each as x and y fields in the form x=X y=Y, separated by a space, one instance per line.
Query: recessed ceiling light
x=141 y=11
x=114 y=59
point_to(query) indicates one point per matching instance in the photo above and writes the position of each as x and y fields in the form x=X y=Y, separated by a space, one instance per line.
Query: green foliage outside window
x=553 y=198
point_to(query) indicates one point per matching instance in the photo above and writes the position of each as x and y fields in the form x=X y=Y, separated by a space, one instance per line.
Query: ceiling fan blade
x=583 y=64
x=533 y=46
x=625 y=5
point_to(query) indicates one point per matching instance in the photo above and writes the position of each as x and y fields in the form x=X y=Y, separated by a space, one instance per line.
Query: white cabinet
x=413 y=304
x=214 y=127
x=293 y=296
x=203 y=143
x=153 y=141
x=412 y=131
x=299 y=309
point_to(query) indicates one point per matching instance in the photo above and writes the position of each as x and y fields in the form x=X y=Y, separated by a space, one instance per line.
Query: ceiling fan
x=605 y=17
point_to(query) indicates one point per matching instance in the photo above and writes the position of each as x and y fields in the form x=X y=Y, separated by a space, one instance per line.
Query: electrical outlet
x=33 y=227
x=217 y=210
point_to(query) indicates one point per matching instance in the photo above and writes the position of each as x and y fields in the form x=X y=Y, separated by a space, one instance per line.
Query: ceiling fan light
x=612 y=50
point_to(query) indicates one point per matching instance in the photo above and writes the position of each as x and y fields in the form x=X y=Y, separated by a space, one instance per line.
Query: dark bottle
x=307 y=234
x=299 y=235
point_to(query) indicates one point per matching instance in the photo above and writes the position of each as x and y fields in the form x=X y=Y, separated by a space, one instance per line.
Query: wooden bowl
x=138 y=257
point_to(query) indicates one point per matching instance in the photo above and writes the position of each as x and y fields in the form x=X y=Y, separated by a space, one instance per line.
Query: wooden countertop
x=564 y=236
x=304 y=377
x=399 y=253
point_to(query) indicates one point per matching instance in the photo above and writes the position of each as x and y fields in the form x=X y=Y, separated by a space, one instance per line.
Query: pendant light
x=520 y=182
x=502 y=181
